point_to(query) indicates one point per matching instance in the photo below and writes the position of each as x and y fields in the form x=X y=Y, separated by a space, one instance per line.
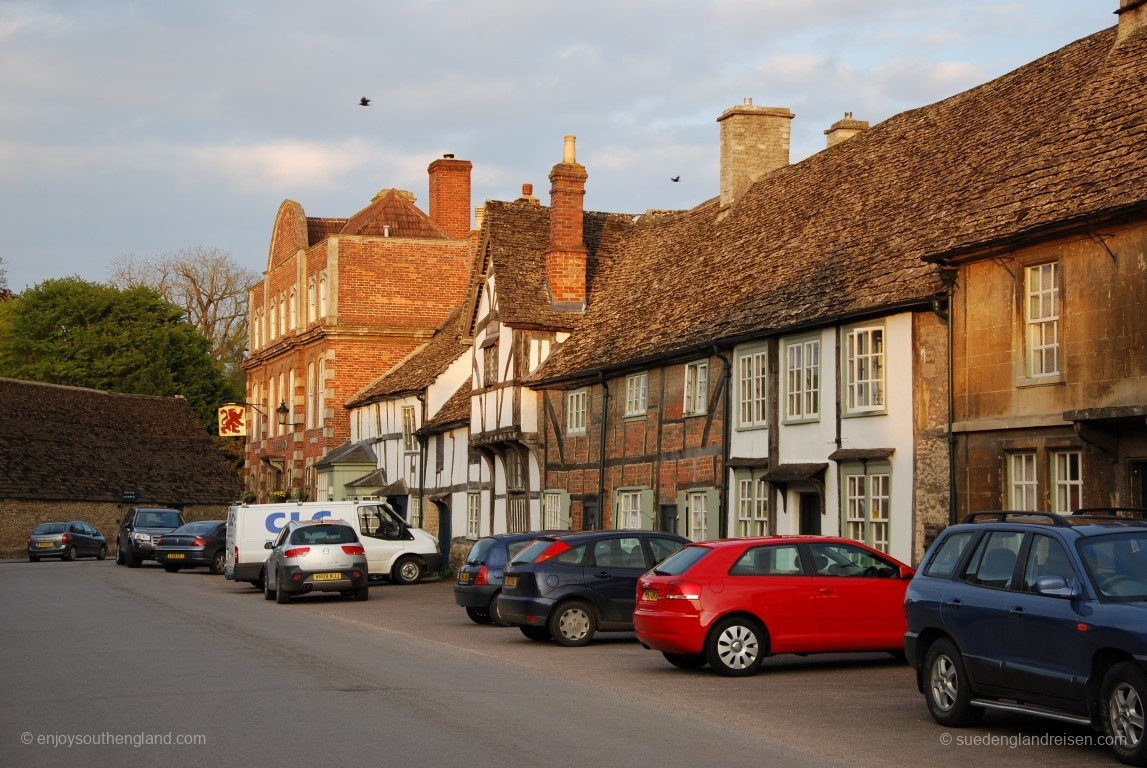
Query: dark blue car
x=479 y=580
x=1039 y=614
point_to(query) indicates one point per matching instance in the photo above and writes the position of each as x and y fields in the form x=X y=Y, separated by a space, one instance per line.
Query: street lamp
x=284 y=413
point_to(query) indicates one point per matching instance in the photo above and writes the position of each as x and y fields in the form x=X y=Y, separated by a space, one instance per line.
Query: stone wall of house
x=18 y=518
x=930 y=430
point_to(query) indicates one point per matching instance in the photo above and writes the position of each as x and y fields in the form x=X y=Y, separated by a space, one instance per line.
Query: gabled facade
x=342 y=299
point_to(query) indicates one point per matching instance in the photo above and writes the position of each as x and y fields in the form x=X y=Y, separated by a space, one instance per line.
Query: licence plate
x=326 y=577
x=511 y=581
x=649 y=595
x=45 y=544
x=175 y=556
x=464 y=577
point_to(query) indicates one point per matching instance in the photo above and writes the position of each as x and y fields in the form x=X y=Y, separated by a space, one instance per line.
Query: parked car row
x=1023 y=612
x=68 y=540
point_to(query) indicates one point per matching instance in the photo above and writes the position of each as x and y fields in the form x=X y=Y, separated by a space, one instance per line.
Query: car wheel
x=119 y=560
x=362 y=593
x=536 y=633
x=102 y=552
x=478 y=616
x=572 y=624
x=69 y=554
x=686 y=660
x=495 y=611
x=268 y=593
x=129 y=558
x=947 y=688
x=218 y=563
x=407 y=570
x=1123 y=711
x=170 y=568
x=736 y=647
x=281 y=596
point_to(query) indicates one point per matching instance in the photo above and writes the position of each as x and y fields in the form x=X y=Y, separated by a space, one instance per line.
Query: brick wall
x=566 y=255
x=450 y=195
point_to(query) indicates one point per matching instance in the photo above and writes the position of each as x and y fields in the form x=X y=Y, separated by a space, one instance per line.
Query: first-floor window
x=629 y=510
x=867 y=497
x=409 y=441
x=1022 y=483
x=864 y=369
x=752 y=505
x=473 y=515
x=752 y=397
x=696 y=387
x=802 y=379
x=575 y=412
x=1066 y=481
x=636 y=394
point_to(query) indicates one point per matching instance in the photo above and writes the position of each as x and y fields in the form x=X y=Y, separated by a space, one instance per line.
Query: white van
x=393 y=548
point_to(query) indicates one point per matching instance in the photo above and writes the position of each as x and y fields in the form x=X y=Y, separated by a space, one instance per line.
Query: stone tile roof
x=419 y=370
x=846 y=232
x=392 y=213
x=517 y=234
x=73 y=444
x=453 y=412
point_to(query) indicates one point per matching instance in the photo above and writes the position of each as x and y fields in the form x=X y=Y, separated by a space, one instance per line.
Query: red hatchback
x=732 y=602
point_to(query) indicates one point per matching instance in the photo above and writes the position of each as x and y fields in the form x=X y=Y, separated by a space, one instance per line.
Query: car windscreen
x=681 y=561
x=159 y=518
x=1118 y=565
x=530 y=554
x=478 y=552
x=198 y=528
x=49 y=528
x=324 y=534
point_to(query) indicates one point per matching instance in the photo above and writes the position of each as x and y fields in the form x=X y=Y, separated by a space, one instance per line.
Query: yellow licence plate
x=326 y=577
x=464 y=577
x=511 y=581
x=175 y=556
x=45 y=544
x=649 y=595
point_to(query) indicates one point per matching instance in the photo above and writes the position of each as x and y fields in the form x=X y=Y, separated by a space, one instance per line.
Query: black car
x=569 y=586
x=195 y=545
x=479 y=580
x=1038 y=614
x=138 y=530
x=67 y=541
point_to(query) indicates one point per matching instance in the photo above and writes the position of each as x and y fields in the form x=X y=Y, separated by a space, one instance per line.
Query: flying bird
x=364 y=102
x=675 y=178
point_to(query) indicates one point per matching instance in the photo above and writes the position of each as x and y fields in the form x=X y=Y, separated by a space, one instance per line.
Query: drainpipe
x=601 y=452
x=723 y=486
x=948 y=277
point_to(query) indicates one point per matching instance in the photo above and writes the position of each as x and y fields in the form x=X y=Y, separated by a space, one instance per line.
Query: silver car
x=316 y=556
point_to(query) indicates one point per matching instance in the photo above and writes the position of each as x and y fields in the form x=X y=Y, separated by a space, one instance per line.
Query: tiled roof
x=419 y=370
x=348 y=453
x=846 y=231
x=74 y=444
x=320 y=229
x=518 y=234
x=392 y=214
x=454 y=411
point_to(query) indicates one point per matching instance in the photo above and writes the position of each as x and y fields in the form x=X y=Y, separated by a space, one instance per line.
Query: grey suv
x=140 y=527
x=316 y=556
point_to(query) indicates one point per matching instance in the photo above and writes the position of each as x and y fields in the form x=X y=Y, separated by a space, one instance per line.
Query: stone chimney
x=845 y=128
x=1132 y=16
x=450 y=195
x=754 y=142
x=566 y=254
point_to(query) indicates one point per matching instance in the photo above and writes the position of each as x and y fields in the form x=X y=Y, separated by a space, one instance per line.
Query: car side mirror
x=269 y=545
x=1055 y=586
x=906 y=572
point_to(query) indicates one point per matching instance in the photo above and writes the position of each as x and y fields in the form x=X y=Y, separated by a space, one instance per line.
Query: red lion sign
x=233 y=421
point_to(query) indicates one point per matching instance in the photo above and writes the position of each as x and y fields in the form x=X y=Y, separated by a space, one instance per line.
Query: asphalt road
x=103 y=664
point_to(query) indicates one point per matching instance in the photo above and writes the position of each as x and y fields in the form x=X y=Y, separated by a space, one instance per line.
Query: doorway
x=810 y=513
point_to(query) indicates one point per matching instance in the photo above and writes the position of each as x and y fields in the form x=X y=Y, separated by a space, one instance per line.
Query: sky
x=146 y=127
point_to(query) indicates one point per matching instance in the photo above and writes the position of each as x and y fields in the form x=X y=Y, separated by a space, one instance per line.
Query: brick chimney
x=845 y=128
x=754 y=142
x=450 y=195
x=566 y=254
x=1132 y=17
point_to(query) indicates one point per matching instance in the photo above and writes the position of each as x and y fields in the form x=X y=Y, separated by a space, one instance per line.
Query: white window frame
x=551 y=511
x=752 y=504
x=312 y=307
x=577 y=403
x=628 y=510
x=696 y=388
x=1023 y=485
x=1041 y=316
x=802 y=380
x=1066 y=481
x=752 y=366
x=698 y=515
x=636 y=394
x=409 y=439
x=473 y=514
x=867 y=496
x=864 y=369
x=320 y=383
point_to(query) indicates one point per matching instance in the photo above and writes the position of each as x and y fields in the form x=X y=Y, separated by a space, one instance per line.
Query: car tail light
x=29 y=541
x=552 y=550
x=480 y=577
x=65 y=538
x=354 y=549
x=198 y=541
x=682 y=590
x=297 y=552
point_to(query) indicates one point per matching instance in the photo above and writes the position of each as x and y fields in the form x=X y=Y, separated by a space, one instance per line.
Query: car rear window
x=530 y=553
x=202 y=526
x=478 y=552
x=49 y=528
x=947 y=555
x=324 y=534
x=680 y=562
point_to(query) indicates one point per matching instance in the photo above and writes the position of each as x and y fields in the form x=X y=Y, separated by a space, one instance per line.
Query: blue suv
x=1036 y=613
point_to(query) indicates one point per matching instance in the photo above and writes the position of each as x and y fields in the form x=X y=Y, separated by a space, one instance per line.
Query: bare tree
x=4 y=291
x=207 y=284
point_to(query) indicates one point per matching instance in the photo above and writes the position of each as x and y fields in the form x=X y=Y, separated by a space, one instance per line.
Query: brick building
x=342 y=300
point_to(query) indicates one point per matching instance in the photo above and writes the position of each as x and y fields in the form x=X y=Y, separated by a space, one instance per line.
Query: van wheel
x=407 y=570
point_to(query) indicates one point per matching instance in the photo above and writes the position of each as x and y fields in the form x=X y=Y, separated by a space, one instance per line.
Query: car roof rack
x=1002 y=515
x=1137 y=513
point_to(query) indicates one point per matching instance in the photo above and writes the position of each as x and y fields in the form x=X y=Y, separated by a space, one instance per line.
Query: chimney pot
x=569 y=154
x=449 y=156
x=527 y=190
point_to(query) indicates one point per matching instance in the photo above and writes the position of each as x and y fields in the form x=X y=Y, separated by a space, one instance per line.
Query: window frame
x=409 y=425
x=473 y=514
x=695 y=400
x=1037 y=294
x=751 y=365
x=1063 y=489
x=856 y=509
x=850 y=368
x=636 y=394
x=752 y=508
x=1024 y=483
x=808 y=390
x=577 y=410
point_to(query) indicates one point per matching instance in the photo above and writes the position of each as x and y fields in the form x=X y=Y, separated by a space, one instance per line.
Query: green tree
x=69 y=331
